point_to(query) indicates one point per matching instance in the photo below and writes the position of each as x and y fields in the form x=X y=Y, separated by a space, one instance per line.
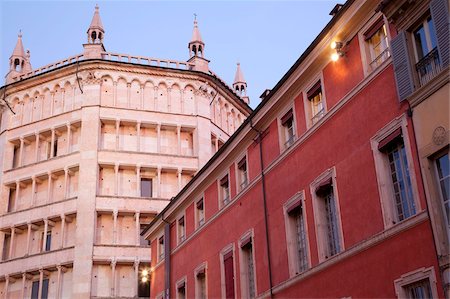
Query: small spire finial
x=195 y=16
x=20 y=33
x=96 y=7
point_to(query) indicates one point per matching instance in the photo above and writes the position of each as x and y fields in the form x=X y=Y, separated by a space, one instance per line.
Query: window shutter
x=402 y=66
x=389 y=139
x=314 y=90
x=439 y=14
x=374 y=29
x=288 y=116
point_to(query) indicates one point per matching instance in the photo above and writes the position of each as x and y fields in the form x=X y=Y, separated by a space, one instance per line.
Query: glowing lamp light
x=336 y=45
x=144 y=279
x=144 y=272
x=335 y=56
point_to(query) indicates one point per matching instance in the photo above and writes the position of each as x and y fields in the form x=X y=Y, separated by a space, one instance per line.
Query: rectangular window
x=181 y=290
x=55 y=147
x=225 y=190
x=200 y=212
x=48 y=241
x=161 y=248
x=16 y=154
x=425 y=45
x=317 y=107
x=35 y=289
x=181 y=230
x=298 y=235
x=287 y=123
x=201 y=284
x=248 y=273
x=6 y=245
x=242 y=173
x=377 y=40
x=49 y=149
x=142 y=240
x=144 y=281
x=11 y=199
x=419 y=290
x=330 y=236
x=146 y=187
x=443 y=172
x=394 y=149
x=229 y=274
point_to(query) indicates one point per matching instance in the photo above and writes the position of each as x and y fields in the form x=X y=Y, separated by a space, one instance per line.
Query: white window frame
x=307 y=102
x=426 y=28
x=238 y=173
x=401 y=283
x=179 y=283
x=222 y=204
x=196 y=214
x=223 y=252
x=365 y=47
x=440 y=199
x=179 y=236
x=202 y=266
x=282 y=138
x=292 y=249
x=384 y=175
x=318 y=214
x=243 y=265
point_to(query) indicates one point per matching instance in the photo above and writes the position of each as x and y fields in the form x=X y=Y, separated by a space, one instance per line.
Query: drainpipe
x=444 y=283
x=266 y=222
x=166 y=258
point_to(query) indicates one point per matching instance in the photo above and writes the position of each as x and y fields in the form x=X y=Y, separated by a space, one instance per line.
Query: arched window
x=94 y=36
x=16 y=63
x=100 y=36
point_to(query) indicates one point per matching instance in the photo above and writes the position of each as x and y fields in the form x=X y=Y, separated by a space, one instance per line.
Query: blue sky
x=265 y=36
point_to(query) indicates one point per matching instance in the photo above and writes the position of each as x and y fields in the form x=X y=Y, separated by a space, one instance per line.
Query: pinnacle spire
x=196 y=45
x=18 y=50
x=239 y=77
x=196 y=36
x=96 y=22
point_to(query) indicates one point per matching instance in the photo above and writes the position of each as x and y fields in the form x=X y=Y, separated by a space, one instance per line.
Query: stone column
x=115 y=94
x=41 y=113
x=11 y=245
x=117 y=133
x=41 y=279
x=182 y=101
x=21 y=151
x=138 y=181
x=33 y=190
x=128 y=94
x=155 y=96
x=49 y=187
x=73 y=98
x=138 y=136
x=69 y=137
x=52 y=104
x=158 y=182
x=29 y=225
x=63 y=230
x=66 y=182
x=36 y=153
x=136 y=276
x=141 y=106
x=169 y=99
x=24 y=284
x=138 y=228
x=44 y=243
x=115 y=213
x=6 y=286
x=179 y=140
x=116 y=182
x=158 y=138
x=52 y=147
x=21 y=112
x=63 y=98
x=17 y=195
x=113 y=276
x=216 y=143
x=179 y=171
x=58 y=282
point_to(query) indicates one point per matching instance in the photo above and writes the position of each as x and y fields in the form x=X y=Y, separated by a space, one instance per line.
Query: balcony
x=428 y=67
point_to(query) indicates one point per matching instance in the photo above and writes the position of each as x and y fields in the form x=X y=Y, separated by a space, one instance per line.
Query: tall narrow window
x=200 y=212
x=394 y=149
x=201 y=284
x=242 y=173
x=419 y=290
x=11 y=199
x=442 y=165
x=161 y=248
x=287 y=123
x=317 y=107
x=35 y=289
x=6 y=245
x=48 y=240
x=298 y=236
x=330 y=234
x=229 y=274
x=55 y=147
x=181 y=230
x=16 y=154
x=377 y=41
x=225 y=190
x=248 y=268
x=146 y=187
x=181 y=290
x=142 y=240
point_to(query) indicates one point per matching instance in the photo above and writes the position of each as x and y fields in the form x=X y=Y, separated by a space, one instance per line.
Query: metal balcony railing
x=318 y=116
x=380 y=59
x=428 y=67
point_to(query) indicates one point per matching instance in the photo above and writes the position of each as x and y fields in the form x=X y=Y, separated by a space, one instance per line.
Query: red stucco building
x=319 y=193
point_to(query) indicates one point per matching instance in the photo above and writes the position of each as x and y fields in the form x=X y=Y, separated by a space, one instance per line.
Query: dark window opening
x=146 y=187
